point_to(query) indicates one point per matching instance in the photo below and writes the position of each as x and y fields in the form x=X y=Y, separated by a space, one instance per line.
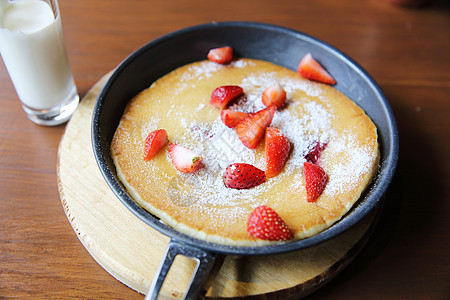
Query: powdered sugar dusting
x=220 y=146
x=205 y=69
x=358 y=160
x=304 y=132
x=207 y=188
x=202 y=70
x=149 y=126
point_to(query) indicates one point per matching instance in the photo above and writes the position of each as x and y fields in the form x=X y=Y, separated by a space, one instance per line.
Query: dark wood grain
x=406 y=51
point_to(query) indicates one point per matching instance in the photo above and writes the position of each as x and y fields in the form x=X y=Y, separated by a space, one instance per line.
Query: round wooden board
x=131 y=251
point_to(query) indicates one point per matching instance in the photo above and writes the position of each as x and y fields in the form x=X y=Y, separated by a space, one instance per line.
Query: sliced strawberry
x=154 y=142
x=231 y=118
x=314 y=155
x=277 y=149
x=274 y=94
x=265 y=223
x=251 y=130
x=223 y=95
x=311 y=69
x=222 y=55
x=243 y=176
x=315 y=180
x=183 y=159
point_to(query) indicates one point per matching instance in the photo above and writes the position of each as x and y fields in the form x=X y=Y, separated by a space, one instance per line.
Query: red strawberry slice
x=243 y=176
x=277 y=149
x=265 y=223
x=274 y=94
x=183 y=159
x=311 y=69
x=154 y=142
x=314 y=155
x=223 y=95
x=231 y=118
x=315 y=180
x=222 y=55
x=251 y=130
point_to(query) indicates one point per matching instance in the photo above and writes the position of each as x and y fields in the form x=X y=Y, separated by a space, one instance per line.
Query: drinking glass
x=33 y=50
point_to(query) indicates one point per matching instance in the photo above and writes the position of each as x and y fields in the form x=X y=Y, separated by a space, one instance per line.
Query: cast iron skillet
x=279 y=45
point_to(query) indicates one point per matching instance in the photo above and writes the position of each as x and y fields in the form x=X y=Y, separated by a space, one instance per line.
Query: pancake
x=199 y=204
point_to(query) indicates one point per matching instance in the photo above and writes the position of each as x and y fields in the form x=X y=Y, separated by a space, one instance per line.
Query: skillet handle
x=205 y=261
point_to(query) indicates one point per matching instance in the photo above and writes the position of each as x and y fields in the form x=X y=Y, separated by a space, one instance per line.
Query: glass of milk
x=33 y=50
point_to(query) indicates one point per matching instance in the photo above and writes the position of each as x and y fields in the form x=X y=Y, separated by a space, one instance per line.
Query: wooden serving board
x=131 y=251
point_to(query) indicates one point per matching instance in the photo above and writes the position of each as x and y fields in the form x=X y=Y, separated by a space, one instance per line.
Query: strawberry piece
x=274 y=94
x=243 y=176
x=154 y=142
x=183 y=159
x=277 y=149
x=315 y=180
x=222 y=55
x=223 y=95
x=251 y=130
x=231 y=118
x=314 y=155
x=265 y=223
x=311 y=69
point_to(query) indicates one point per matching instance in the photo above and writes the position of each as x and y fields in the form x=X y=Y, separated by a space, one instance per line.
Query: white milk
x=33 y=50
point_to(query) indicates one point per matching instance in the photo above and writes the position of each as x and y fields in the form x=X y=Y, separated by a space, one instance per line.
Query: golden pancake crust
x=199 y=204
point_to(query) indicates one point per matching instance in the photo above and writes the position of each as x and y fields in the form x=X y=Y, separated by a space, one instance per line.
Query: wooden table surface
x=406 y=50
